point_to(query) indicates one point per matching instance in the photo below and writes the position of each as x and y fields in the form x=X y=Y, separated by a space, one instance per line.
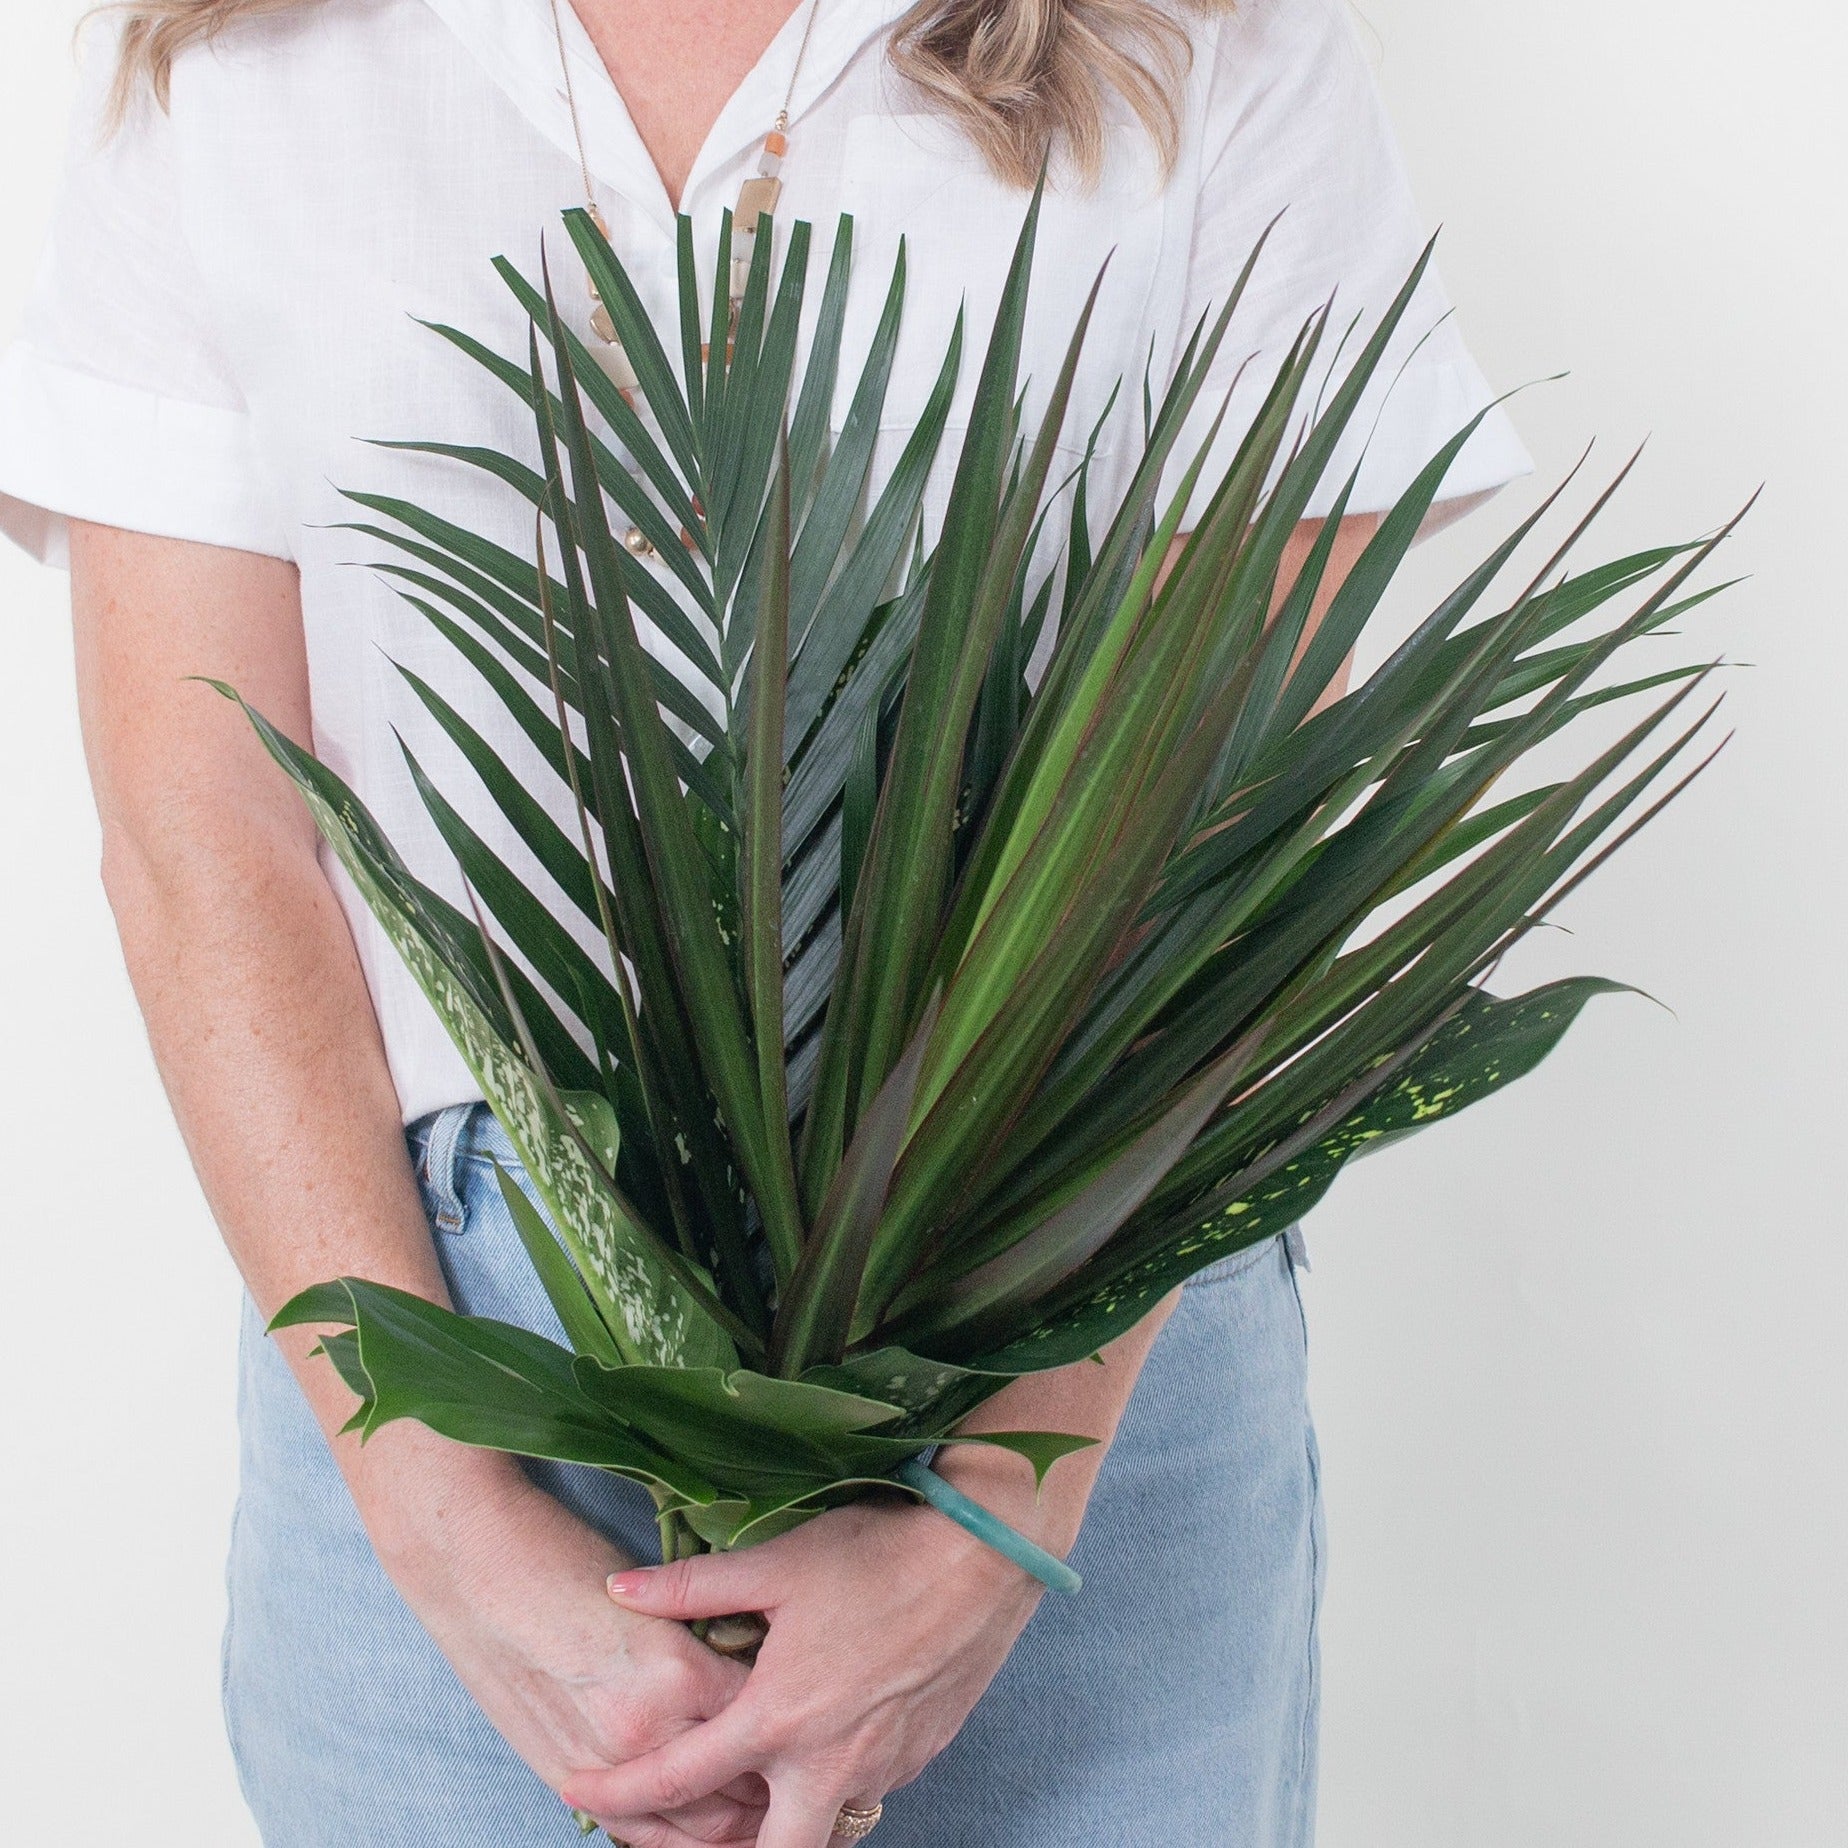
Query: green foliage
x=936 y=1024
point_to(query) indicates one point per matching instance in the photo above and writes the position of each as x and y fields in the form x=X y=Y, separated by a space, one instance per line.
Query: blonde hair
x=155 y=32
x=1026 y=80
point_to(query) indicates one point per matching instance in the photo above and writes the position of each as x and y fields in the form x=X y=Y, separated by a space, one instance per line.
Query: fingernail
x=627 y=1584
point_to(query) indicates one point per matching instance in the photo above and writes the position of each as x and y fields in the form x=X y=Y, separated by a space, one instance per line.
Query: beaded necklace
x=756 y=198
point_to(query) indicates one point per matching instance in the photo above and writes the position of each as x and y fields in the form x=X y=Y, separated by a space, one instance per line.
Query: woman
x=432 y=1643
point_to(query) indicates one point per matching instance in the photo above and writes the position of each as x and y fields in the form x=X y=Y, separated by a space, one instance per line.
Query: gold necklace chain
x=757 y=197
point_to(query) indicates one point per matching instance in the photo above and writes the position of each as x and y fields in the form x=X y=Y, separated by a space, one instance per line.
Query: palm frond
x=875 y=1022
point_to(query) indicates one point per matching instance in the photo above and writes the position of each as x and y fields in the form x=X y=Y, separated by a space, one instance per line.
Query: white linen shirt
x=229 y=306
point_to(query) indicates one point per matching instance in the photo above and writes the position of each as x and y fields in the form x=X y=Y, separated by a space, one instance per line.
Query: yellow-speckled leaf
x=655 y=1320
x=1488 y=1045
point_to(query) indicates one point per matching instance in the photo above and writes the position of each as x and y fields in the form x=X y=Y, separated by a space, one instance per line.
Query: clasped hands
x=886 y=1624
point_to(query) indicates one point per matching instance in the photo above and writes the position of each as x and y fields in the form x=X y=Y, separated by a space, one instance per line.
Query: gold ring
x=854 y=1824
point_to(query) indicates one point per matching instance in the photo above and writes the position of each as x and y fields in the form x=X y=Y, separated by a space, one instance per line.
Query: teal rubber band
x=1051 y=1572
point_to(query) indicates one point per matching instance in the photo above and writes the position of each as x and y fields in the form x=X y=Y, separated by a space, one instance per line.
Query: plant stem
x=678 y=1540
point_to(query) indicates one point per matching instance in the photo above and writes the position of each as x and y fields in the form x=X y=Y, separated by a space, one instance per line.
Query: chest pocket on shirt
x=919 y=178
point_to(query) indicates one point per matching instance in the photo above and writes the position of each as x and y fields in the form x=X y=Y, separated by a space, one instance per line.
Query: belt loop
x=443 y=1166
x=1298 y=1247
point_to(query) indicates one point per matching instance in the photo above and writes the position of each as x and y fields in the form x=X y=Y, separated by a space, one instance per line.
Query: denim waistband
x=442 y=1142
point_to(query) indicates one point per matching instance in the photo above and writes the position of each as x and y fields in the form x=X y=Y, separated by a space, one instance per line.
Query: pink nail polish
x=627 y=1584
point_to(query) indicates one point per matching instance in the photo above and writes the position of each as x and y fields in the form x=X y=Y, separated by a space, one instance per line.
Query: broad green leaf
x=620 y=1260
x=1040 y=1448
x=482 y=1382
x=571 y=1301
x=1487 y=1046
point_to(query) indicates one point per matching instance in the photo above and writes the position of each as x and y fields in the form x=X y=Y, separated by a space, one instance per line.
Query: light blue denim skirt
x=1172 y=1701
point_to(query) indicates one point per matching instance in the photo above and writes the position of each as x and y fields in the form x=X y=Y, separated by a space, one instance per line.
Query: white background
x=1579 y=1358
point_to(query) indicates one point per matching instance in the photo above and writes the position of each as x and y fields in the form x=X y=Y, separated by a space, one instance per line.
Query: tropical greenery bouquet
x=888 y=1023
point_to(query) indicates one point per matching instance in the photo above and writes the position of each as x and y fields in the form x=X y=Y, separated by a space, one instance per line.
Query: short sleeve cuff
x=75 y=446
x=1389 y=444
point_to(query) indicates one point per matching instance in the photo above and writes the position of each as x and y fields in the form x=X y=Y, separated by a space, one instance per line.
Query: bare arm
x=264 y=1033
x=239 y=954
x=888 y=1623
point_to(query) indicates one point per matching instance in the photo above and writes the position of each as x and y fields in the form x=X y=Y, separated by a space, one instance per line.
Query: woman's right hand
x=510 y=1584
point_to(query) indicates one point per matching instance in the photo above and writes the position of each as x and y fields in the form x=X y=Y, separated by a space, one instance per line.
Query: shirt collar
x=515 y=43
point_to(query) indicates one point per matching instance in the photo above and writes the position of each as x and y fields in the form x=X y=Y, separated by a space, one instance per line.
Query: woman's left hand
x=887 y=1623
